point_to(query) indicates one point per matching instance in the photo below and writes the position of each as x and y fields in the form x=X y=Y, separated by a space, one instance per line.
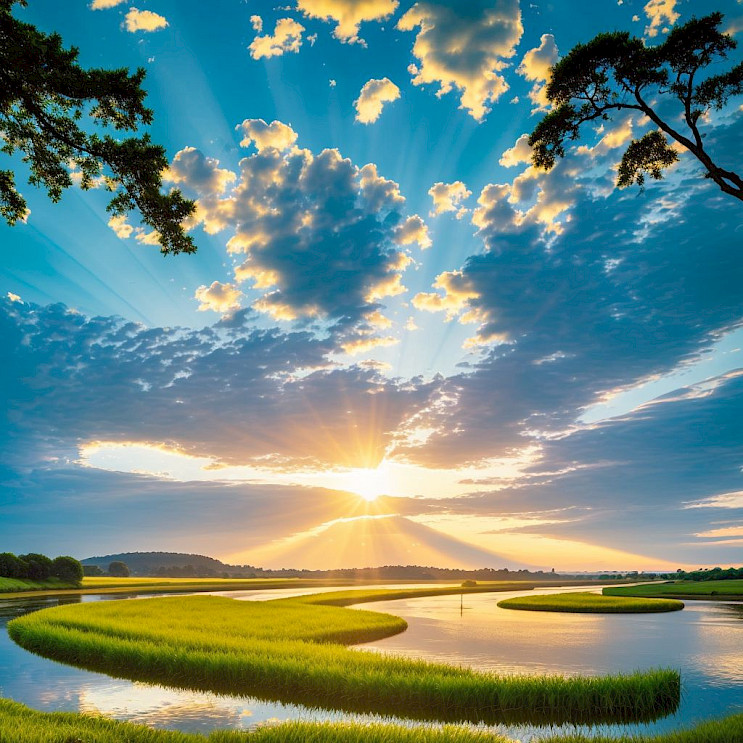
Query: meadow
x=20 y=724
x=709 y=589
x=592 y=603
x=20 y=585
x=295 y=650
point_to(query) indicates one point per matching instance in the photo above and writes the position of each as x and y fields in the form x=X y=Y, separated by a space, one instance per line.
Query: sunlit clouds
x=374 y=94
x=463 y=48
x=399 y=341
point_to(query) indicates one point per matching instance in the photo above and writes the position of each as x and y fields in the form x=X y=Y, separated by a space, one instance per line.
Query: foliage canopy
x=54 y=113
x=615 y=72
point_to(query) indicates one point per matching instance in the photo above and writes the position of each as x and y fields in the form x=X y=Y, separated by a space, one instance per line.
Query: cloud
x=457 y=289
x=447 y=197
x=374 y=94
x=413 y=230
x=287 y=37
x=366 y=344
x=464 y=47
x=348 y=14
x=235 y=395
x=143 y=20
x=535 y=67
x=190 y=167
x=256 y=22
x=276 y=134
x=218 y=297
x=659 y=13
x=520 y=153
x=319 y=236
x=103 y=4
x=120 y=226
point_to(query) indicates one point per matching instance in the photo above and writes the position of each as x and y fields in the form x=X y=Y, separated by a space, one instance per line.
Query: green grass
x=20 y=724
x=107 y=585
x=727 y=589
x=293 y=650
x=16 y=585
x=592 y=603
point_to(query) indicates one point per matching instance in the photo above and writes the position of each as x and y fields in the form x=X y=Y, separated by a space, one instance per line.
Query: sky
x=398 y=342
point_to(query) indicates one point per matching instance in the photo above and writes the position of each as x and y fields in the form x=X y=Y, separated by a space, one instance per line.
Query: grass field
x=16 y=585
x=590 y=603
x=107 y=585
x=20 y=724
x=294 y=650
x=707 y=589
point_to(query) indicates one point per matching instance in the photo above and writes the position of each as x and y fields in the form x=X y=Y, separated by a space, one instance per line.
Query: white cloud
x=535 y=67
x=287 y=37
x=120 y=226
x=218 y=297
x=374 y=94
x=724 y=500
x=447 y=197
x=413 y=230
x=319 y=236
x=276 y=135
x=457 y=291
x=257 y=23
x=348 y=14
x=368 y=343
x=143 y=20
x=464 y=46
x=520 y=153
x=659 y=13
x=103 y=4
x=190 y=167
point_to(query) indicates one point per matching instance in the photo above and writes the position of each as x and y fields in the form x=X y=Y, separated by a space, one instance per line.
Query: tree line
x=38 y=567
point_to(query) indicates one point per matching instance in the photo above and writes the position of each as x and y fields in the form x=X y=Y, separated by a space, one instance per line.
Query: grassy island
x=294 y=650
x=593 y=603
x=21 y=724
x=729 y=590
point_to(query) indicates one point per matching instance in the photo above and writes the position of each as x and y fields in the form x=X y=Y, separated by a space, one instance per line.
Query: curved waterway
x=704 y=641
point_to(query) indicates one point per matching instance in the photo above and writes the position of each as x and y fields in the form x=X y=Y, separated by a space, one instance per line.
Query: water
x=704 y=641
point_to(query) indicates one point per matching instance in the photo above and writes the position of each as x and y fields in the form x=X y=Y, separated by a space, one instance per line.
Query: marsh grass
x=708 y=589
x=20 y=724
x=592 y=603
x=16 y=585
x=293 y=650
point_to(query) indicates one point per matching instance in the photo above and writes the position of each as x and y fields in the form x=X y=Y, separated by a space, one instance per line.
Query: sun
x=368 y=483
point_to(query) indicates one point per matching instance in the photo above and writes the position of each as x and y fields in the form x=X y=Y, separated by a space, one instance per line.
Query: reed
x=707 y=589
x=294 y=650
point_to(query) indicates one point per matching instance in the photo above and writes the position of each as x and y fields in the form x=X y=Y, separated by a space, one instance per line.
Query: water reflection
x=704 y=641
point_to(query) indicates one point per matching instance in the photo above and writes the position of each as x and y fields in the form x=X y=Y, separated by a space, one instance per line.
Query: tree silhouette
x=615 y=72
x=47 y=101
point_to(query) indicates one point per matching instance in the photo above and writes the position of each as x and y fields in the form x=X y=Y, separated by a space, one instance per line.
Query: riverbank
x=708 y=590
x=21 y=724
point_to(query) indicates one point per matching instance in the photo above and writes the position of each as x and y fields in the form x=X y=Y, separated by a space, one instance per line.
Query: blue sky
x=387 y=299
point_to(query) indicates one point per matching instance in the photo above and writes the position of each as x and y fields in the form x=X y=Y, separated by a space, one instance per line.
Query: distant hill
x=159 y=563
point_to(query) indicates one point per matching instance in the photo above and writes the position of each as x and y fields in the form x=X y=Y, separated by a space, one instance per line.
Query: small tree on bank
x=614 y=72
x=118 y=569
x=45 y=96
x=67 y=569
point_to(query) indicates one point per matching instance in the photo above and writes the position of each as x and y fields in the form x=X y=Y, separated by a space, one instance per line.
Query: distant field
x=731 y=589
x=21 y=724
x=293 y=650
x=590 y=603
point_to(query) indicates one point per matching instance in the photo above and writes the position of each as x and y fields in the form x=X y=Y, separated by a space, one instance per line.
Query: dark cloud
x=223 y=393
